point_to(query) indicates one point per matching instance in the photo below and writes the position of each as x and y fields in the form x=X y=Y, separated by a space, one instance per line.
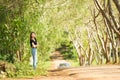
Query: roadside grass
x=74 y=63
x=24 y=70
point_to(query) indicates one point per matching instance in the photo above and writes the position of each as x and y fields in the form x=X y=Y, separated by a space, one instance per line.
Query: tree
x=111 y=22
x=13 y=27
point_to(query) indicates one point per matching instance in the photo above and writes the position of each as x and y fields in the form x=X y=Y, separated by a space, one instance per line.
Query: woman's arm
x=33 y=45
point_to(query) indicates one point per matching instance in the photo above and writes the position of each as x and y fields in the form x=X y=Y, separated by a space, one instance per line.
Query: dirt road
x=105 y=72
x=108 y=72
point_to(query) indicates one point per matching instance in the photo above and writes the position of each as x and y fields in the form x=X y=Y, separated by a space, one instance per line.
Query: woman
x=33 y=43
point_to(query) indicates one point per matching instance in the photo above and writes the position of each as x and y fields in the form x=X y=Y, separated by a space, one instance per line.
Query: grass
x=74 y=63
x=24 y=70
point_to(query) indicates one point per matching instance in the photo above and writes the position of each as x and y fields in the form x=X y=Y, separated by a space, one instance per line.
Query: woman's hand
x=34 y=46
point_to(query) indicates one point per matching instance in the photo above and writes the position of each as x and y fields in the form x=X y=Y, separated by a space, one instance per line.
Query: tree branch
x=117 y=4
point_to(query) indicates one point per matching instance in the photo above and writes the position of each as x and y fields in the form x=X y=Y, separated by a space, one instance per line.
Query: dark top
x=33 y=41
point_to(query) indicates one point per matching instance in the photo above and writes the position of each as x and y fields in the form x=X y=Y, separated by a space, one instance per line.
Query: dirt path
x=106 y=72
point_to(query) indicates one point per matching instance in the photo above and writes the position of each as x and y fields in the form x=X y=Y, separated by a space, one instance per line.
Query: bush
x=23 y=69
x=7 y=68
x=10 y=69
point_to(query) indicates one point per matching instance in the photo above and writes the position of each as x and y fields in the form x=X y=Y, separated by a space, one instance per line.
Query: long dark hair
x=31 y=35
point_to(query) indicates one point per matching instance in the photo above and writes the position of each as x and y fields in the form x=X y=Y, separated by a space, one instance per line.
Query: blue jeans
x=34 y=55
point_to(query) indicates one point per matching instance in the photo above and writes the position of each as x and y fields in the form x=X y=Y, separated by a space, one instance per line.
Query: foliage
x=53 y=21
x=67 y=50
x=13 y=27
x=22 y=69
x=9 y=69
x=65 y=25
